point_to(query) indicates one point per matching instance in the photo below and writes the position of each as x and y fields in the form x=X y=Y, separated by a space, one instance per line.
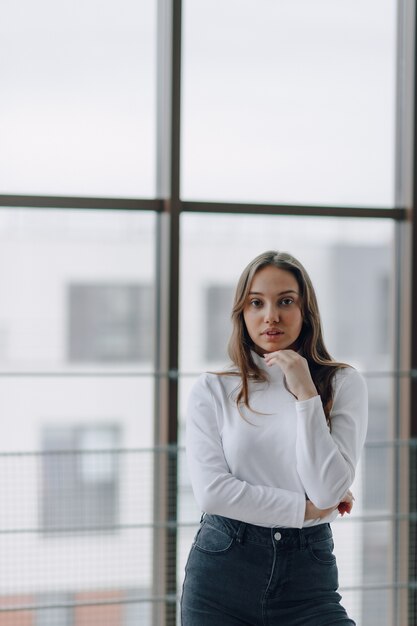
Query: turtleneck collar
x=275 y=373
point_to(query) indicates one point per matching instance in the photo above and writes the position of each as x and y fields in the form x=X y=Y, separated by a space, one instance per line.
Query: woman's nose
x=271 y=314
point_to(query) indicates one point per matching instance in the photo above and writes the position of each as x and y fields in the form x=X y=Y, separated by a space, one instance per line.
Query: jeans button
x=277 y=536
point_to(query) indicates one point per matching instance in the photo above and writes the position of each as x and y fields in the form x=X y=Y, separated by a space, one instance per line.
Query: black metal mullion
x=402 y=470
x=395 y=213
x=159 y=204
x=412 y=569
x=166 y=384
x=78 y=202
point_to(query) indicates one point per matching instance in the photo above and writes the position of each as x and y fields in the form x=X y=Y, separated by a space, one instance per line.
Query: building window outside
x=110 y=322
x=361 y=306
x=219 y=299
x=59 y=611
x=80 y=478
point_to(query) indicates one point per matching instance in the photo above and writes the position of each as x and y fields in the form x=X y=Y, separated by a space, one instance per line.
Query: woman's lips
x=272 y=335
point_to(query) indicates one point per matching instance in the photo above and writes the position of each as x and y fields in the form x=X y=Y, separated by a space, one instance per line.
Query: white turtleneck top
x=261 y=467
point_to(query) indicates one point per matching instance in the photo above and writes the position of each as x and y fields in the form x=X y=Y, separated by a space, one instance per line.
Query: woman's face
x=272 y=311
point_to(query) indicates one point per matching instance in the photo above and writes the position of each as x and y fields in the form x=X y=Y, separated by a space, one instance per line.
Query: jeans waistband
x=288 y=537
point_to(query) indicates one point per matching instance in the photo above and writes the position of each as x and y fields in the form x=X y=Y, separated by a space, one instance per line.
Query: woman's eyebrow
x=281 y=293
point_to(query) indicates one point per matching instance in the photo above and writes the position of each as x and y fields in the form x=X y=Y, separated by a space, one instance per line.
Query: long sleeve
x=216 y=490
x=326 y=461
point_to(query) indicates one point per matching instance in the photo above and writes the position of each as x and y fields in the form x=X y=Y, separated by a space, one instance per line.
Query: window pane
x=351 y=266
x=76 y=460
x=289 y=102
x=77 y=112
x=91 y=306
x=95 y=543
x=355 y=314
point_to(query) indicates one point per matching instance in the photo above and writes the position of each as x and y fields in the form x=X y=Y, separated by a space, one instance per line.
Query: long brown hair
x=310 y=342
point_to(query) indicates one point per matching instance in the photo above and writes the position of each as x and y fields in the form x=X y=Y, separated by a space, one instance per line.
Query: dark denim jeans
x=239 y=574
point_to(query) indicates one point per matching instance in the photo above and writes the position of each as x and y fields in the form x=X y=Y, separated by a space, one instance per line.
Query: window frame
x=168 y=206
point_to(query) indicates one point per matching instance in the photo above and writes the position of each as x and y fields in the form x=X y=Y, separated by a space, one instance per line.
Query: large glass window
x=93 y=305
x=77 y=113
x=289 y=102
x=76 y=466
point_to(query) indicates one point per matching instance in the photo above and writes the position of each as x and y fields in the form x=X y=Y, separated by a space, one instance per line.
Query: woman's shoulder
x=211 y=381
x=348 y=375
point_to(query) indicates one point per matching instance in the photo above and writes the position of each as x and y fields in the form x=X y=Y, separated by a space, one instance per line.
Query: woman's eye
x=286 y=301
x=256 y=303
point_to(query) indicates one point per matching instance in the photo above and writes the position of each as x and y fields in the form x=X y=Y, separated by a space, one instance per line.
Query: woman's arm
x=326 y=461
x=216 y=490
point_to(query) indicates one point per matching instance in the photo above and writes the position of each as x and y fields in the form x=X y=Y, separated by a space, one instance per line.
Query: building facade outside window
x=80 y=478
x=110 y=323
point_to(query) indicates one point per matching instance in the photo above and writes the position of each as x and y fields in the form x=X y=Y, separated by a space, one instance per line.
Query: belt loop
x=303 y=538
x=202 y=517
x=240 y=532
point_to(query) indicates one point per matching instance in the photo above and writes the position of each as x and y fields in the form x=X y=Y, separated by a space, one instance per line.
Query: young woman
x=272 y=446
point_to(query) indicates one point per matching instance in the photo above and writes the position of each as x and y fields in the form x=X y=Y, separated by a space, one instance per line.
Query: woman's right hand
x=312 y=512
x=345 y=506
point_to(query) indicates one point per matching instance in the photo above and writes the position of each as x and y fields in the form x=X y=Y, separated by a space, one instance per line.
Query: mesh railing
x=78 y=530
